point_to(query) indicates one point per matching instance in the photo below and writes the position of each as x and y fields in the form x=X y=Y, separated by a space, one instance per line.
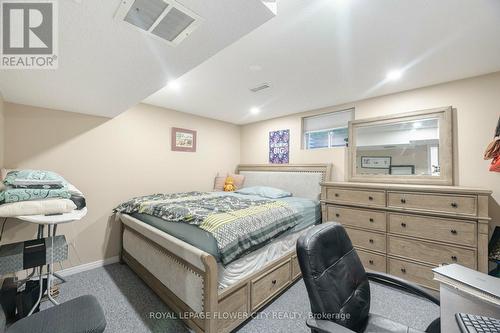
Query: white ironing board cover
x=55 y=219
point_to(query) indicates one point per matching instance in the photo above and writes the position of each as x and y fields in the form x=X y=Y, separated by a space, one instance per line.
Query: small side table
x=51 y=221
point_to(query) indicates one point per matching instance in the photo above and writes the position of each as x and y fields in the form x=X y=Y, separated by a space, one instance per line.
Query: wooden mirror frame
x=443 y=114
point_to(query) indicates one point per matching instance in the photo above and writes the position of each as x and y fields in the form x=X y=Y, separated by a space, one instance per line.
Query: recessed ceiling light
x=173 y=85
x=394 y=75
x=254 y=110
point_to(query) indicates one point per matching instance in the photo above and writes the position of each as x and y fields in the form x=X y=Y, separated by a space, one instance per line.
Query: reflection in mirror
x=404 y=148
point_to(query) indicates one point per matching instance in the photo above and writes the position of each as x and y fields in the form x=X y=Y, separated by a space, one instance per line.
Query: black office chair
x=338 y=286
x=80 y=315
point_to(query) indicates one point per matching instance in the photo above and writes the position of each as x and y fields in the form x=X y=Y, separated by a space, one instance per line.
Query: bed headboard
x=302 y=180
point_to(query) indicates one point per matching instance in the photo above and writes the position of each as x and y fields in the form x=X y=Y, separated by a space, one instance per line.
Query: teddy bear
x=229 y=185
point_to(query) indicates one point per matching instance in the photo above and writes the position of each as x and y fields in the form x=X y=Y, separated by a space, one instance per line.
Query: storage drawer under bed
x=269 y=284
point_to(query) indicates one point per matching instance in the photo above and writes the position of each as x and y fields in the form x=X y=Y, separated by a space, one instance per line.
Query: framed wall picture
x=279 y=146
x=376 y=162
x=183 y=139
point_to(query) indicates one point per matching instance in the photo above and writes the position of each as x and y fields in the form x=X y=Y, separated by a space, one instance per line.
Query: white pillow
x=37 y=207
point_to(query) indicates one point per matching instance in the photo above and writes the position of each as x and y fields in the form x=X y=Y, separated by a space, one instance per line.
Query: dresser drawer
x=367 y=240
x=456 y=204
x=412 y=272
x=446 y=230
x=235 y=304
x=431 y=253
x=372 y=261
x=268 y=285
x=357 y=197
x=363 y=218
x=295 y=268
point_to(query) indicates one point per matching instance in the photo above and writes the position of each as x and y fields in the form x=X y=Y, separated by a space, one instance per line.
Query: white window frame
x=305 y=144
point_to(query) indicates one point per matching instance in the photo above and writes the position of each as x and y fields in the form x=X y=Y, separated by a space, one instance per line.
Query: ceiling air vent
x=164 y=19
x=260 y=87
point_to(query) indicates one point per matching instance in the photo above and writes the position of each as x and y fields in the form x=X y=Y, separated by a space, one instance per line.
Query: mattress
x=309 y=210
x=254 y=261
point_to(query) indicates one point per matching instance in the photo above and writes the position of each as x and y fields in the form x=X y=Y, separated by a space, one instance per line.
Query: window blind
x=338 y=119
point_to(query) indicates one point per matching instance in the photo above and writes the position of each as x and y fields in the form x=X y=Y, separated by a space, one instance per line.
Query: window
x=326 y=130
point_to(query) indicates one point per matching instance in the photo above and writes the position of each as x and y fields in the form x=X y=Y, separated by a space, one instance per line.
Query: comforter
x=238 y=224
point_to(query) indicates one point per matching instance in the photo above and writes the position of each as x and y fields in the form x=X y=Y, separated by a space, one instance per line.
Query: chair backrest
x=3 y=320
x=335 y=279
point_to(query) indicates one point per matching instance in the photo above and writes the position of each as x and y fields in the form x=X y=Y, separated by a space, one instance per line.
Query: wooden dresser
x=406 y=230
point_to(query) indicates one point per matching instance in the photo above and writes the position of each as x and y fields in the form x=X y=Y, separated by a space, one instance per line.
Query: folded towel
x=30 y=185
x=39 y=187
x=40 y=183
x=33 y=177
x=11 y=194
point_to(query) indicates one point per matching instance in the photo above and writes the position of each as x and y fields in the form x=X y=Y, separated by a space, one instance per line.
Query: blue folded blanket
x=27 y=185
x=36 y=178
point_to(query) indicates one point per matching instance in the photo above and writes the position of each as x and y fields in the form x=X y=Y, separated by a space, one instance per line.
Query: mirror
x=407 y=148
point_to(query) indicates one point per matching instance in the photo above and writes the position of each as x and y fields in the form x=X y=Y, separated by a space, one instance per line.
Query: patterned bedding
x=29 y=185
x=238 y=224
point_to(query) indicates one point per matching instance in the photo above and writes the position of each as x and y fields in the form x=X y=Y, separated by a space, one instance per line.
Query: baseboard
x=88 y=266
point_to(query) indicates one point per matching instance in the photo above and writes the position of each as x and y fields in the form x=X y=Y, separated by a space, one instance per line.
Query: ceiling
x=107 y=65
x=319 y=53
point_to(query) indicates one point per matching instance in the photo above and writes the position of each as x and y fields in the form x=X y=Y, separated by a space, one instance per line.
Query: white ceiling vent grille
x=164 y=19
x=260 y=87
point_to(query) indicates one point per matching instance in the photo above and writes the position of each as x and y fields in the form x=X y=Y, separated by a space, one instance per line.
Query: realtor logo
x=29 y=34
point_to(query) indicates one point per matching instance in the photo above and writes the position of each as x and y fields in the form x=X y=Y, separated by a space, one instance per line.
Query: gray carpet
x=128 y=302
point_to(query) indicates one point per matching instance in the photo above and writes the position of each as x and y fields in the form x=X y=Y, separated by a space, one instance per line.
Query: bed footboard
x=183 y=276
x=186 y=278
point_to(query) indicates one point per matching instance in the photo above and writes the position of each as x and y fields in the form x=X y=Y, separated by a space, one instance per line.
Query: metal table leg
x=55 y=274
x=40 y=279
x=50 y=267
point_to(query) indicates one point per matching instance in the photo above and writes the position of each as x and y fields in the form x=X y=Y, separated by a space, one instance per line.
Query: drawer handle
x=273 y=281
x=370 y=261
x=336 y=194
x=403 y=224
x=337 y=215
x=403 y=270
x=403 y=200
x=371 y=241
x=371 y=219
x=453 y=231
x=454 y=205
x=370 y=198
x=454 y=258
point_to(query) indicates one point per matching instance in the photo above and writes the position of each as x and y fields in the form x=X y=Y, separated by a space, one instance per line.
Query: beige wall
x=112 y=160
x=477 y=103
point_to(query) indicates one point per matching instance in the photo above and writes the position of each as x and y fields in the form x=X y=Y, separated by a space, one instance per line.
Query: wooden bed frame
x=187 y=278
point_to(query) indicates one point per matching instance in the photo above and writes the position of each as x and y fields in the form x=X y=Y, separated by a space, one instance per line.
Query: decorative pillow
x=37 y=207
x=219 y=183
x=239 y=180
x=265 y=191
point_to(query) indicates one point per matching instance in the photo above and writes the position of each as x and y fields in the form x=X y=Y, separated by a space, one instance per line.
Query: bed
x=209 y=292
